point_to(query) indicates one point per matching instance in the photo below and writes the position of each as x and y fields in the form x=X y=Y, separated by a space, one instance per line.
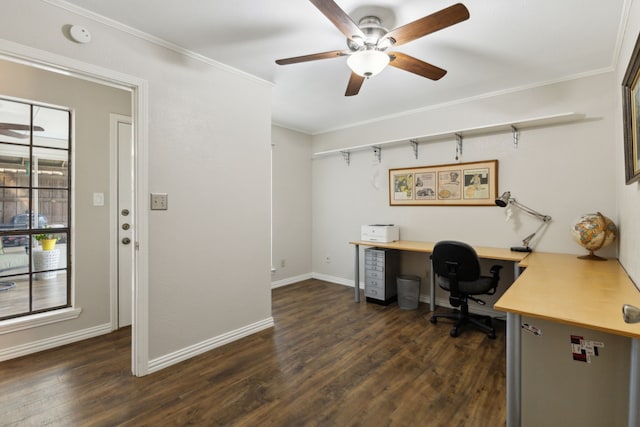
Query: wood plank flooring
x=327 y=362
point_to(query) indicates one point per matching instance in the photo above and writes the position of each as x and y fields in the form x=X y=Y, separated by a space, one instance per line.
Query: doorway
x=138 y=88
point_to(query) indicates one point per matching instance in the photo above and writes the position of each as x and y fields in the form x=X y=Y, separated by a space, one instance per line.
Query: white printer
x=383 y=233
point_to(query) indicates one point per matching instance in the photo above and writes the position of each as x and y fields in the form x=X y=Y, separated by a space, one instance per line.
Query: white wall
x=209 y=149
x=291 y=206
x=562 y=170
x=628 y=195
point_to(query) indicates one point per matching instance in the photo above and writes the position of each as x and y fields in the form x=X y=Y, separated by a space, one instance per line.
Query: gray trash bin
x=408 y=292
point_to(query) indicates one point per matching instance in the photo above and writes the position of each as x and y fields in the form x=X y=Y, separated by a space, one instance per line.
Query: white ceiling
x=505 y=44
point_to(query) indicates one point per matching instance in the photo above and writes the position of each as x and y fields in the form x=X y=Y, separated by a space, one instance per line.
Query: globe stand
x=592 y=257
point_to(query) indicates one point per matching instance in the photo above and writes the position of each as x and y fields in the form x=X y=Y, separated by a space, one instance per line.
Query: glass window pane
x=51 y=127
x=14 y=166
x=53 y=208
x=15 y=209
x=15 y=120
x=14 y=258
x=14 y=299
x=50 y=168
x=49 y=290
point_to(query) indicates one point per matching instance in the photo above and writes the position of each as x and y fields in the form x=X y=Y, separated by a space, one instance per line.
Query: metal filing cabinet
x=381 y=267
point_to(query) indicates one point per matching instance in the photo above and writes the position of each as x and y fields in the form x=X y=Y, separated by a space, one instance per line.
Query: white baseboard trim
x=204 y=346
x=290 y=280
x=440 y=301
x=334 y=279
x=57 y=341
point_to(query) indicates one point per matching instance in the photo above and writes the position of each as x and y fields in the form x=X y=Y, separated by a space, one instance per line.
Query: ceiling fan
x=9 y=129
x=369 y=41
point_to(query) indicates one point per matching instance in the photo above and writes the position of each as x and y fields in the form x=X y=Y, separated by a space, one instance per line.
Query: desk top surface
x=482 y=251
x=565 y=289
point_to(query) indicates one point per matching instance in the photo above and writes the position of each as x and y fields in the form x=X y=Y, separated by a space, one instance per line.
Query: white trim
x=140 y=99
x=207 y=345
x=334 y=279
x=290 y=280
x=52 y=342
x=461 y=101
x=39 y=319
x=442 y=302
x=152 y=39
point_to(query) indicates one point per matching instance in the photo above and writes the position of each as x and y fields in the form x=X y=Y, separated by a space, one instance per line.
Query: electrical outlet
x=159 y=202
x=282 y=263
x=327 y=260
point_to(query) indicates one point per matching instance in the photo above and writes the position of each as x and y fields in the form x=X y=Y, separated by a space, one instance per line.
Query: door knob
x=126 y=241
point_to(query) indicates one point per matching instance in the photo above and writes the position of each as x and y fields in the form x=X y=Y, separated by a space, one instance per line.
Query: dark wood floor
x=327 y=362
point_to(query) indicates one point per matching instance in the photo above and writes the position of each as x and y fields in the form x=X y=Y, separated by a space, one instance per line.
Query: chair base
x=463 y=317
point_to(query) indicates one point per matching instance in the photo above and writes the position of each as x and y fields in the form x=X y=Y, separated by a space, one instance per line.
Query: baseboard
x=334 y=279
x=290 y=280
x=207 y=345
x=440 y=302
x=57 y=341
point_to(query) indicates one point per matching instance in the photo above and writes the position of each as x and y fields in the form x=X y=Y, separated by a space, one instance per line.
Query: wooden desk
x=565 y=289
x=427 y=247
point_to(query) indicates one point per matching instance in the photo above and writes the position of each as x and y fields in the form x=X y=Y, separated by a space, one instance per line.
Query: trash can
x=408 y=292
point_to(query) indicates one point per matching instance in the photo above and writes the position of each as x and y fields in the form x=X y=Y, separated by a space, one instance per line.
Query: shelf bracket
x=346 y=155
x=377 y=151
x=516 y=135
x=458 y=145
x=414 y=145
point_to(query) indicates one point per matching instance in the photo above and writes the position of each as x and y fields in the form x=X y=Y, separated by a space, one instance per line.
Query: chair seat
x=477 y=287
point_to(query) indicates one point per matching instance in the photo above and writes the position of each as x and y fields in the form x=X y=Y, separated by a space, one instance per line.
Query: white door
x=125 y=241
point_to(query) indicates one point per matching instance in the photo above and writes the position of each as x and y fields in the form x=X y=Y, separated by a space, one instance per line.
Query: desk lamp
x=505 y=200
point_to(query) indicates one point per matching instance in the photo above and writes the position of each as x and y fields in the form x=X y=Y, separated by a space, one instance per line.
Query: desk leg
x=356 y=274
x=634 y=384
x=432 y=286
x=513 y=370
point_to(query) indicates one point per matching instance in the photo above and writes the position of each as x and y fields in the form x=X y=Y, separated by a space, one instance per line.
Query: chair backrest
x=457 y=260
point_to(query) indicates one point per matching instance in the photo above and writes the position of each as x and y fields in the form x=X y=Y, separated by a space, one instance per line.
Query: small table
x=46 y=260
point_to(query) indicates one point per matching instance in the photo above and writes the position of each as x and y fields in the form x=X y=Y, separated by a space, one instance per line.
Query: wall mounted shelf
x=513 y=126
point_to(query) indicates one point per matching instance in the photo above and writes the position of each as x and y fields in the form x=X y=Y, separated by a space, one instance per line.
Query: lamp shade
x=368 y=63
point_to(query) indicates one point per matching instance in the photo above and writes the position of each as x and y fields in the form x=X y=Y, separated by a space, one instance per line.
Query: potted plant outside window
x=47 y=241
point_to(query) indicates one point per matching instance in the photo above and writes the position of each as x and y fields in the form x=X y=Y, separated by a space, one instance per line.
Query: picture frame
x=631 y=116
x=456 y=184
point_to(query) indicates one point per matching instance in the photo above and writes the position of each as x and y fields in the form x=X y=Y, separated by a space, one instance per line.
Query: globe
x=594 y=231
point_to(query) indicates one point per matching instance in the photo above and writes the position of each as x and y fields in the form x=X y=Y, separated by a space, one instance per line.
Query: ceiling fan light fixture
x=368 y=63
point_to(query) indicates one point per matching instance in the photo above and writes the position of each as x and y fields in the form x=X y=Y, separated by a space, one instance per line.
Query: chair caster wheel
x=492 y=335
x=453 y=332
x=433 y=320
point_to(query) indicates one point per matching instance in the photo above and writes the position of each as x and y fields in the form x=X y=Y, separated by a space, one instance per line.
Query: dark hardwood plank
x=327 y=362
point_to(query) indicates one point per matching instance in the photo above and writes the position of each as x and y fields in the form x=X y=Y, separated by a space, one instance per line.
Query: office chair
x=457 y=269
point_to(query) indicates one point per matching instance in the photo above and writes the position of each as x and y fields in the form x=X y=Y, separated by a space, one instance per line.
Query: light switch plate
x=98 y=199
x=159 y=202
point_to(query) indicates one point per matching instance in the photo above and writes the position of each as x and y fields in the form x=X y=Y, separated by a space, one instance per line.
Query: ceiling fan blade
x=354 y=85
x=338 y=17
x=16 y=126
x=312 y=57
x=13 y=134
x=429 y=24
x=416 y=66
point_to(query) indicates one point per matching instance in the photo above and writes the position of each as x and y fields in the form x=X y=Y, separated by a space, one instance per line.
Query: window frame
x=38 y=316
